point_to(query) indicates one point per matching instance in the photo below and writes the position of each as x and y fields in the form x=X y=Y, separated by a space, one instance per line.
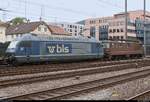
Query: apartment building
x=73 y=28
x=113 y=27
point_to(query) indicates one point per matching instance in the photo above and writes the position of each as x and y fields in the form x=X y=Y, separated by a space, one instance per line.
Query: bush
x=3 y=47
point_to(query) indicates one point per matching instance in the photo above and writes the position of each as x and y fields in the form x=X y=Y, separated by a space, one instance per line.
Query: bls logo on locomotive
x=58 y=49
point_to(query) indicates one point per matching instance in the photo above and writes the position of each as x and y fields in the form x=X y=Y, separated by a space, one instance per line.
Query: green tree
x=18 y=20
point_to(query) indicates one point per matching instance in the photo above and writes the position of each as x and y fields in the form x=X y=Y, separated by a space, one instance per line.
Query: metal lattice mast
x=126 y=19
x=144 y=27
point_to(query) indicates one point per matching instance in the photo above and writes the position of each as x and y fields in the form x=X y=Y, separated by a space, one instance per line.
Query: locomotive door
x=26 y=46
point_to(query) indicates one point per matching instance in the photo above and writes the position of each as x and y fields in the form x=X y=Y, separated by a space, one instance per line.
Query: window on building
x=121 y=37
x=115 y=37
x=39 y=28
x=70 y=26
x=110 y=31
x=110 y=37
x=118 y=31
x=45 y=29
x=118 y=37
x=70 y=30
x=14 y=36
x=121 y=30
x=62 y=25
x=93 y=31
x=114 y=30
x=92 y=22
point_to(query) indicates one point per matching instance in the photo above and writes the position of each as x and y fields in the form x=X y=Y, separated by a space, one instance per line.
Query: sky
x=65 y=10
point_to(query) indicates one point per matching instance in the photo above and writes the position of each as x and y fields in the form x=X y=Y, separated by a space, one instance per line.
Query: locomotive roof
x=120 y=41
x=34 y=37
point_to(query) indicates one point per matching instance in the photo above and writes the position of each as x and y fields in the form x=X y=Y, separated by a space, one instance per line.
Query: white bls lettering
x=58 y=49
x=51 y=49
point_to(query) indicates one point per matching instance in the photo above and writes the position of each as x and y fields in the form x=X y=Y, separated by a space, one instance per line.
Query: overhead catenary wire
x=58 y=8
x=36 y=16
x=22 y=6
x=111 y=4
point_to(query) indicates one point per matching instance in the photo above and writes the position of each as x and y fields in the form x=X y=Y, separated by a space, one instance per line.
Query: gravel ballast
x=118 y=92
x=44 y=85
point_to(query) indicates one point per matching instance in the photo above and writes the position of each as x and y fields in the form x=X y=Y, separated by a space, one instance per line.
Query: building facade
x=113 y=27
x=73 y=28
x=2 y=32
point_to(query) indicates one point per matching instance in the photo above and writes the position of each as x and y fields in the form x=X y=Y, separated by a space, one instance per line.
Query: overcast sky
x=66 y=10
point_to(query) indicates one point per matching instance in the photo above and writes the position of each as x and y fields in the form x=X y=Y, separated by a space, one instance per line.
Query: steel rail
x=23 y=79
x=140 y=96
x=71 y=90
x=8 y=71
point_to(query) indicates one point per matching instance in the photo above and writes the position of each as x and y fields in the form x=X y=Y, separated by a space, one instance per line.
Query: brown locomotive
x=123 y=49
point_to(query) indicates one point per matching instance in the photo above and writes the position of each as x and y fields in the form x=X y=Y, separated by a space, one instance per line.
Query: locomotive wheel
x=14 y=62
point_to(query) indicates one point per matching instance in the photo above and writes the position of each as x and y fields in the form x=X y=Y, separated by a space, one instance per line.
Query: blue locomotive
x=35 y=48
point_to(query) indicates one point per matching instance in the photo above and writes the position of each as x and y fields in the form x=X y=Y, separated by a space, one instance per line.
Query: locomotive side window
x=25 y=44
x=22 y=49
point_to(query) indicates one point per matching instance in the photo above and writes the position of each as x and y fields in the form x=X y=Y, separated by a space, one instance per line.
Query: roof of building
x=3 y=24
x=81 y=22
x=23 y=28
x=31 y=26
x=58 y=30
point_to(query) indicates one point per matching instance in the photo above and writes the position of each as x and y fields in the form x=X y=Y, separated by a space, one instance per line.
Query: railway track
x=8 y=71
x=80 y=88
x=23 y=79
x=142 y=96
x=2 y=63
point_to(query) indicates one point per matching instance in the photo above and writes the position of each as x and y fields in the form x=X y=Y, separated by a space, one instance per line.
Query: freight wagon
x=123 y=49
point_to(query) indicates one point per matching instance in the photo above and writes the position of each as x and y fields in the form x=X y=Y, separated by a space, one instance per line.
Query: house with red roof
x=11 y=32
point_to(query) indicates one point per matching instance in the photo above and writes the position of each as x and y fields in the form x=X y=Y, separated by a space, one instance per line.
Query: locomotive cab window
x=13 y=45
